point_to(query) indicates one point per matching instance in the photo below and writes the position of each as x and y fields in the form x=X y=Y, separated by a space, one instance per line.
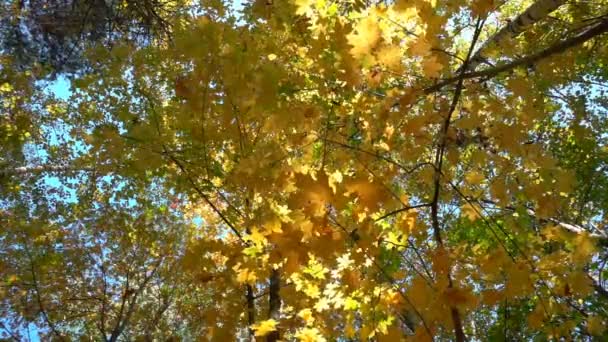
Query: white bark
x=39 y=169
x=537 y=11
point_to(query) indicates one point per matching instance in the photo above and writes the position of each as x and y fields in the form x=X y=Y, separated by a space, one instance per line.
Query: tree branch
x=274 y=303
x=41 y=168
x=41 y=307
x=537 y=11
x=595 y=30
x=395 y=212
x=456 y=319
x=205 y=197
x=250 y=310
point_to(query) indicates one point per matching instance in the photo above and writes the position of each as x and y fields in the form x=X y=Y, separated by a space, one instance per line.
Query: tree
x=56 y=33
x=318 y=171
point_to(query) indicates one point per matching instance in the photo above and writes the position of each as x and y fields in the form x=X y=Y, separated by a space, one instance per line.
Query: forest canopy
x=409 y=170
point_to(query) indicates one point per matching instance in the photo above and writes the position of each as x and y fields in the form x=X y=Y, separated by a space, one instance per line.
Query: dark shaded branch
x=36 y=287
x=205 y=197
x=250 y=310
x=456 y=319
x=595 y=30
x=390 y=279
x=122 y=324
x=395 y=212
x=274 y=303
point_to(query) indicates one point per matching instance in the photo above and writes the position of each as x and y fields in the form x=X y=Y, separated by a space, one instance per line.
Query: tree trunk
x=250 y=310
x=274 y=303
x=537 y=11
x=41 y=168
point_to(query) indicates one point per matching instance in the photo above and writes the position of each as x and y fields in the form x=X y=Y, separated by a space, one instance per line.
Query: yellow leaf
x=584 y=247
x=461 y=298
x=537 y=317
x=393 y=334
x=246 y=276
x=322 y=304
x=264 y=327
x=370 y=194
x=596 y=325
x=273 y=225
x=344 y=261
x=365 y=332
x=313 y=194
x=390 y=56
x=518 y=280
x=306 y=315
x=6 y=87
x=334 y=178
x=303 y=6
x=349 y=331
x=471 y=211
x=309 y=335
x=482 y=7
x=441 y=261
x=312 y=290
x=492 y=297
x=366 y=37
x=474 y=177
x=292 y=263
x=580 y=283
x=431 y=67
x=498 y=189
x=420 y=47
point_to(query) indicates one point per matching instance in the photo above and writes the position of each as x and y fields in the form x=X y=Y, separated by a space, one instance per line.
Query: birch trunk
x=537 y=11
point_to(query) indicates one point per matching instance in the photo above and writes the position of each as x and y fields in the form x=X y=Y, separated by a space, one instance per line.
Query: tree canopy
x=308 y=170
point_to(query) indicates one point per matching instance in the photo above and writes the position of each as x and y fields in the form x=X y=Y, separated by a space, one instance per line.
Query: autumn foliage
x=314 y=171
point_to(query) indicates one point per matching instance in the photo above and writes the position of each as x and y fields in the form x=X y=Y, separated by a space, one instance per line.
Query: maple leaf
x=472 y=211
x=290 y=137
x=585 y=247
x=580 y=283
x=474 y=177
x=390 y=56
x=303 y=6
x=314 y=194
x=596 y=325
x=482 y=7
x=263 y=328
x=306 y=315
x=420 y=47
x=334 y=179
x=431 y=66
x=365 y=38
x=322 y=304
x=537 y=317
x=245 y=275
x=369 y=193
x=309 y=335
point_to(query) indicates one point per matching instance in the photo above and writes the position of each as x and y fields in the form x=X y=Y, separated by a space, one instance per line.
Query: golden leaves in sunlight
x=263 y=328
x=471 y=211
x=431 y=66
x=324 y=155
x=313 y=196
x=309 y=335
x=420 y=47
x=365 y=38
x=596 y=325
